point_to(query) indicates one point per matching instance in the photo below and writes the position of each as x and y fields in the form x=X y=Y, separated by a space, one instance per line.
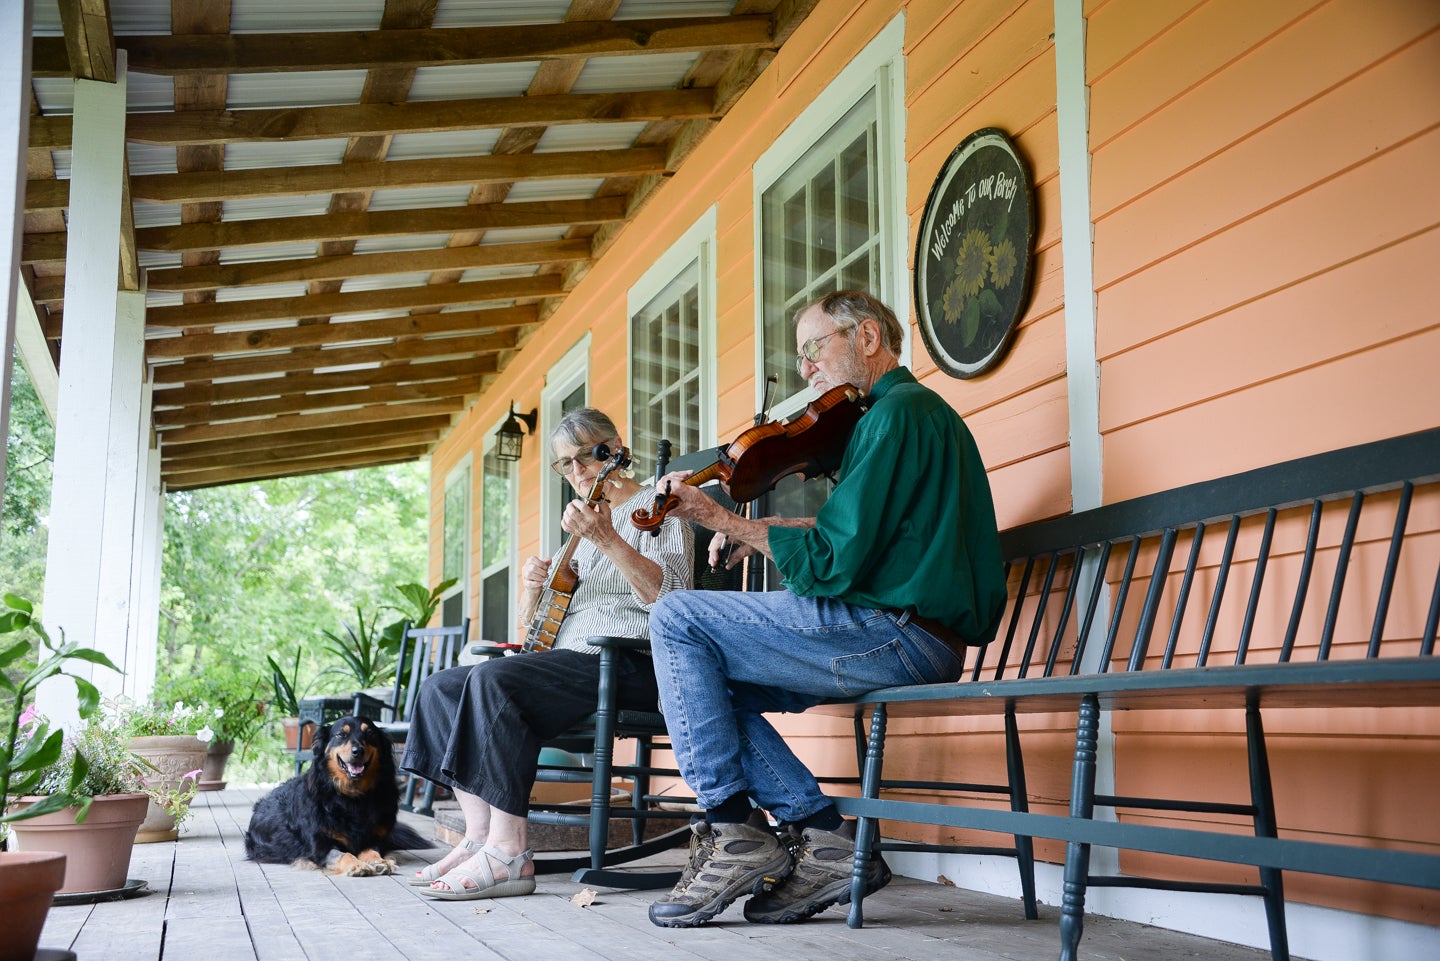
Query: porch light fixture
x=510 y=438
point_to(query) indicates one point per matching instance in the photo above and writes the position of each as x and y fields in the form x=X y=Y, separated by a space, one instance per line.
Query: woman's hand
x=534 y=573
x=590 y=521
x=719 y=544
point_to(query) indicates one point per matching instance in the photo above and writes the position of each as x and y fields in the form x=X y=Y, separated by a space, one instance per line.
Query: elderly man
x=897 y=573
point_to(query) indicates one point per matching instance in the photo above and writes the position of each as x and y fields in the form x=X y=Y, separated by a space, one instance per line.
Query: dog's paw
x=377 y=863
x=348 y=865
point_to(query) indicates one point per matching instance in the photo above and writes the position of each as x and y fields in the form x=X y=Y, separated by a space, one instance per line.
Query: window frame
x=695 y=245
x=880 y=67
x=511 y=548
x=464 y=466
x=571 y=371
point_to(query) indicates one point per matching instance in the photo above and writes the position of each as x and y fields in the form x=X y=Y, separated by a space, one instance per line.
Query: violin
x=811 y=443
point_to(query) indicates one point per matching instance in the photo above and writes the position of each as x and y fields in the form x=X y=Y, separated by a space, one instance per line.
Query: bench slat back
x=1124 y=587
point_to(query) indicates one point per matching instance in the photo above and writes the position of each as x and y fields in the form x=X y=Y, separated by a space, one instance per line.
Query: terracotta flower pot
x=175 y=755
x=97 y=852
x=28 y=881
x=212 y=774
x=295 y=738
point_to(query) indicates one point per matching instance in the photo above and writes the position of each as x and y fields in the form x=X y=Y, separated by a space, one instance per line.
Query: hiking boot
x=726 y=861
x=821 y=878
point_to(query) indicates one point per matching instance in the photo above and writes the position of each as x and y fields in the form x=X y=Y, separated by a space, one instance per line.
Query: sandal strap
x=513 y=863
x=474 y=847
x=453 y=879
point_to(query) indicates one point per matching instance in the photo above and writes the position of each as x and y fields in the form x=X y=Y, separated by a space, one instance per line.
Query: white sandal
x=485 y=886
x=429 y=874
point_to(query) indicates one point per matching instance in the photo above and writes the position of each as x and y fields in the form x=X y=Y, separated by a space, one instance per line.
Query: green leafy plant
x=284 y=686
x=153 y=720
x=236 y=709
x=32 y=751
x=417 y=607
x=362 y=650
x=110 y=768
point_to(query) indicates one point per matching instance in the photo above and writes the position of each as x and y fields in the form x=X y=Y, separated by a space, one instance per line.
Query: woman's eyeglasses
x=564 y=465
x=811 y=348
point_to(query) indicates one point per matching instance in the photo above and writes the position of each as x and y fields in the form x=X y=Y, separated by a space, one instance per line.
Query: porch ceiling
x=348 y=216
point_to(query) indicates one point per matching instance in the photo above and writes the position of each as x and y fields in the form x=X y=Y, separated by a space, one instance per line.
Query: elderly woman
x=479 y=729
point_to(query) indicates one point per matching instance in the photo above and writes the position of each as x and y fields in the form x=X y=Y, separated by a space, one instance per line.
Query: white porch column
x=92 y=338
x=124 y=475
x=145 y=584
x=14 y=118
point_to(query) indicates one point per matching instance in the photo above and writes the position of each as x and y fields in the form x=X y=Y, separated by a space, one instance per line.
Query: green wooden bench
x=1124 y=608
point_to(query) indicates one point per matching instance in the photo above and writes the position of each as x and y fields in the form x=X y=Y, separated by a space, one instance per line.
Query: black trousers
x=479 y=728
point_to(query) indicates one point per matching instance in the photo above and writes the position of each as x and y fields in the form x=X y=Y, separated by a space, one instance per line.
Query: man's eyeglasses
x=564 y=465
x=811 y=348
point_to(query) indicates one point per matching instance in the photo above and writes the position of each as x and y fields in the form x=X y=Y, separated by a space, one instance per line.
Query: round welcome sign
x=973 y=258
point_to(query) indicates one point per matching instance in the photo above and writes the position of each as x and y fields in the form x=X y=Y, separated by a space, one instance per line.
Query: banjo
x=554 y=601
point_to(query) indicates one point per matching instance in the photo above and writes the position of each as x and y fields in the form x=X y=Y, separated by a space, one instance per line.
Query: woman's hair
x=583 y=428
x=849 y=307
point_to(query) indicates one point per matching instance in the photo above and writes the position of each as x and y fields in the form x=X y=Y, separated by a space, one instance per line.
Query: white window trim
x=511 y=538
x=567 y=373
x=879 y=66
x=696 y=243
x=462 y=586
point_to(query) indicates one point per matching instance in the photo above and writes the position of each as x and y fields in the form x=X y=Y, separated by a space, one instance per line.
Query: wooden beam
x=324 y=420
x=328 y=335
x=358 y=436
x=384 y=175
x=217 y=478
x=46 y=248
x=191 y=370
x=308 y=269
x=260 y=387
x=456 y=389
x=364 y=50
x=388 y=119
x=328 y=305
x=89 y=41
x=384 y=223
x=260 y=454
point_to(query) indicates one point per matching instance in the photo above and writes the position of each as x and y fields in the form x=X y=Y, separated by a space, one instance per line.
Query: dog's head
x=354 y=754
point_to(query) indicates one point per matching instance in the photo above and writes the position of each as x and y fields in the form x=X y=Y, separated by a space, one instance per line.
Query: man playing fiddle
x=885 y=585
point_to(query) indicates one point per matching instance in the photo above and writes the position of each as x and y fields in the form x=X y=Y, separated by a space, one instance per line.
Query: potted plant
x=29 y=752
x=237 y=713
x=172 y=741
x=362 y=651
x=286 y=702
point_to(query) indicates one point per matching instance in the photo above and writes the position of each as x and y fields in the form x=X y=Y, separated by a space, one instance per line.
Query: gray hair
x=583 y=428
x=848 y=308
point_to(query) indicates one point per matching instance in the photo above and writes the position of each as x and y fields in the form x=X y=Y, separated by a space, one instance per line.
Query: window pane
x=819 y=232
x=452 y=552
x=665 y=368
x=573 y=401
x=495 y=518
x=495 y=607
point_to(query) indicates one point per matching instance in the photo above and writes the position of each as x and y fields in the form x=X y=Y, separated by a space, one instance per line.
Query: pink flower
x=195 y=773
x=29 y=715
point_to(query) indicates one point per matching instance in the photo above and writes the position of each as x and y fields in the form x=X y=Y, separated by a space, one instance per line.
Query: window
x=672 y=355
x=830 y=216
x=497 y=547
x=566 y=389
x=829 y=198
x=455 y=544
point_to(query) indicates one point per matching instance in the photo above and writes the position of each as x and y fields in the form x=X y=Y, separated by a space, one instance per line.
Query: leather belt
x=936 y=630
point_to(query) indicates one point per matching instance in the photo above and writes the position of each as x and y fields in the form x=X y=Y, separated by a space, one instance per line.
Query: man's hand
x=719 y=544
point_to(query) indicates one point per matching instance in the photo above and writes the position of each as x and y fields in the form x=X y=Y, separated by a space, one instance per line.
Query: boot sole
x=813 y=907
x=758 y=883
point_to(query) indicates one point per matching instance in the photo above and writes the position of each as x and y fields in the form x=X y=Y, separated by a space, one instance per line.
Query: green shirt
x=910 y=523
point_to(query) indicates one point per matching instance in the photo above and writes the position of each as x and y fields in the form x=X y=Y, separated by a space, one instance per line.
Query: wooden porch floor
x=205 y=902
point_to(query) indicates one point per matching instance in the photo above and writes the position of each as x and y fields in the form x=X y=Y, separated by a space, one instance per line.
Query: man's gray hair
x=849 y=307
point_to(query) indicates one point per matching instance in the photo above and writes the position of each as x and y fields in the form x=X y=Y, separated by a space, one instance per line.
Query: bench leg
x=867 y=828
x=1082 y=806
x=1020 y=802
x=1263 y=799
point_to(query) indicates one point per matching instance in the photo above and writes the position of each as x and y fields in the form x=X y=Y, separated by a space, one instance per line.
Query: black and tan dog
x=340 y=814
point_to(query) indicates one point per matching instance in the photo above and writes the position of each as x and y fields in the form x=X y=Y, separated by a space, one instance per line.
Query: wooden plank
x=380 y=223
x=379 y=175
x=378 y=435
x=89 y=40
x=368 y=265
x=259 y=387
x=449 y=389
x=267 y=471
x=351 y=50
x=481 y=344
x=400 y=445
x=308 y=421
x=326 y=305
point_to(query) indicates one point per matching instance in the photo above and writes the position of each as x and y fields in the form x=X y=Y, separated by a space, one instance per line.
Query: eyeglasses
x=811 y=348
x=564 y=465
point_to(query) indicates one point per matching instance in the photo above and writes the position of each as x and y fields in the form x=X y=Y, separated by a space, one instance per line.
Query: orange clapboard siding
x=1301 y=63
x=1281 y=159
x=1274 y=336
x=1119 y=28
x=1322 y=408
x=1215 y=38
x=1337 y=220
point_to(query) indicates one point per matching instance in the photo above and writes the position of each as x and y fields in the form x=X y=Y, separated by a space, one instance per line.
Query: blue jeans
x=723 y=658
